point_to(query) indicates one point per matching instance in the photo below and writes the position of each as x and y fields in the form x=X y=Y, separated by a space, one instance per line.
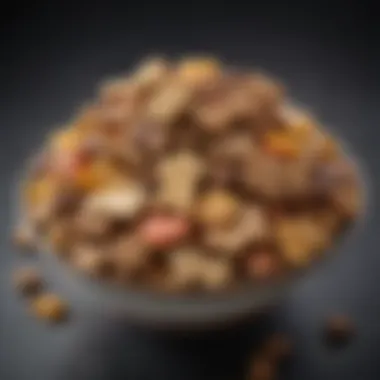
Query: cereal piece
x=117 y=91
x=218 y=208
x=178 y=177
x=262 y=265
x=25 y=237
x=199 y=71
x=262 y=369
x=339 y=330
x=151 y=72
x=49 y=307
x=169 y=103
x=130 y=256
x=299 y=238
x=27 y=281
x=262 y=175
x=252 y=227
x=163 y=231
x=216 y=273
x=116 y=203
x=92 y=261
x=185 y=266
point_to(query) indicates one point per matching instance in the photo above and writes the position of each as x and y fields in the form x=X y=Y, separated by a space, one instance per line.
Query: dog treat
x=27 y=281
x=189 y=175
x=49 y=307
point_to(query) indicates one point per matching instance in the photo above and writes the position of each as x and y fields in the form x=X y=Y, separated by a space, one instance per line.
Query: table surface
x=52 y=57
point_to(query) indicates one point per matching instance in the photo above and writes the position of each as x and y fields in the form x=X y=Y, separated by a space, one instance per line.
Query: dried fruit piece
x=27 y=281
x=163 y=231
x=218 y=208
x=178 y=178
x=49 y=307
x=252 y=227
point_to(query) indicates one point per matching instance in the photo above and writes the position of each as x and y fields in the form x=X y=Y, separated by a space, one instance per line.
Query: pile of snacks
x=189 y=176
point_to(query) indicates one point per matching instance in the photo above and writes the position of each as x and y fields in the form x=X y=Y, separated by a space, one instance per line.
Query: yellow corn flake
x=198 y=71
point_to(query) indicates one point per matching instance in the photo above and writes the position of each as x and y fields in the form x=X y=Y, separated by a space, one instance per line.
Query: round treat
x=218 y=208
x=49 y=307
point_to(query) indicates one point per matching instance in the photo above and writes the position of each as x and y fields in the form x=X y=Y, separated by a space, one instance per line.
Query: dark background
x=52 y=55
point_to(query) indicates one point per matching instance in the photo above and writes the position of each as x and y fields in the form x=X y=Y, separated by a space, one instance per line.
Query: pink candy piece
x=163 y=231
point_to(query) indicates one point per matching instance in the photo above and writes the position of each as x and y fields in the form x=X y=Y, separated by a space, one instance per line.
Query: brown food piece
x=92 y=261
x=262 y=368
x=27 y=281
x=189 y=267
x=218 y=208
x=178 y=178
x=199 y=71
x=278 y=347
x=151 y=73
x=25 y=237
x=299 y=238
x=339 y=330
x=130 y=257
x=251 y=228
x=49 y=307
x=263 y=265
